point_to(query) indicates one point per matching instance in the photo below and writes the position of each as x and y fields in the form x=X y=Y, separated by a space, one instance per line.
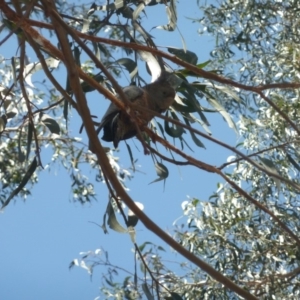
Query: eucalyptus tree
x=243 y=241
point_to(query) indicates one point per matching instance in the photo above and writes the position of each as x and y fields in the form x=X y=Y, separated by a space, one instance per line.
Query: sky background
x=40 y=237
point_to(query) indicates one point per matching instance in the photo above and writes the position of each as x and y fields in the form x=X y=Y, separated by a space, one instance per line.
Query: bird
x=117 y=125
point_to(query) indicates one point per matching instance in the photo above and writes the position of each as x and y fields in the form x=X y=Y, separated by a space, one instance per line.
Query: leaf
x=32 y=68
x=3 y=121
x=183 y=108
x=176 y=296
x=12 y=26
x=11 y=114
x=193 y=135
x=29 y=139
x=130 y=66
x=97 y=50
x=147 y=292
x=77 y=55
x=161 y=171
x=229 y=91
x=112 y=220
x=126 y=12
x=138 y=10
x=132 y=234
x=88 y=88
x=21 y=155
x=187 y=55
x=22 y=184
x=213 y=102
x=50 y=123
x=172 y=17
x=152 y=64
x=7 y=104
x=143 y=246
x=173 y=129
x=270 y=167
x=131 y=156
x=66 y=111
x=186 y=72
x=293 y=162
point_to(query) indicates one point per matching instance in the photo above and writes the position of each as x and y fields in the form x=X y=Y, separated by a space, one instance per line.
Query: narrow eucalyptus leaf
x=147 y=292
x=29 y=139
x=23 y=182
x=138 y=10
x=21 y=155
x=7 y=104
x=88 y=88
x=130 y=66
x=131 y=156
x=112 y=220
x=213 y=102
x=66 y=111
x=132 y=234
x=176 y=296
x=161 y=171
x=51 y=124
x=187 y=55
x=3 y=121
x=11 y=114
x=186 y=72
x=193 y=135
x=172 y=129
x=293 y=162
x=77 y=55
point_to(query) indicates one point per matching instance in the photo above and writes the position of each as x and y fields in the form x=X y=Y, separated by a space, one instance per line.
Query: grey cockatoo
x=117 y=124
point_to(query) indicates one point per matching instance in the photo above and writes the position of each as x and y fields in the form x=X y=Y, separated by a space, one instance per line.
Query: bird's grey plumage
x=117 y=125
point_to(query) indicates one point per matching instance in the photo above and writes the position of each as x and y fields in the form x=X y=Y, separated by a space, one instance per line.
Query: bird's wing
x=132 y=93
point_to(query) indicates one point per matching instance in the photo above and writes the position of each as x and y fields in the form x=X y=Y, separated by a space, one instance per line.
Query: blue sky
x=40 y=237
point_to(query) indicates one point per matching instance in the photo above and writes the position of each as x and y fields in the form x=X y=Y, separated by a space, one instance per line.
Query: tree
x=243 y=242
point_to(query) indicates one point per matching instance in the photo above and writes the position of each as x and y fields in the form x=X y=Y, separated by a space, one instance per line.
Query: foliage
x=247 y=231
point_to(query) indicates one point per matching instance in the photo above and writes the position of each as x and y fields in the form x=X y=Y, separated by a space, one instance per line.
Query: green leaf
x=172 y=17
x=173 y=129
x=21 y=155
x=186 y=72
x=161 y=171
x=138 y=10
x=66 y=111
x=12 y=26
x=50 y=123
x=3 y=121
x=176 y=296
x=130 y=66
x=112 y=220
x=143 y=246
x=193 y=135
x=88 y=88
x=77 y=55
x=187 y=55
x=22 y=184
x=11 y=114
x=126 y=12
x=213 y=102
x=29 y=139
x=183 y=108
x=293 y=162
x=131 y=156
x=97 y=50
x=147 y=292
x=7 y=104
x=270 y=167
